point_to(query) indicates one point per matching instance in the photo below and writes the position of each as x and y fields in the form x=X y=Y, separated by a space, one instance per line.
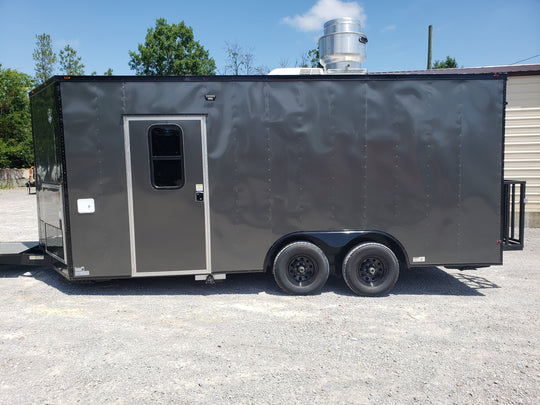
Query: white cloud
x=389 y=28
x=324 y=10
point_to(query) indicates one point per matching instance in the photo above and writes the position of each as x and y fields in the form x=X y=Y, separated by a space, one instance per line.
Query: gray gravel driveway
x=442 y=336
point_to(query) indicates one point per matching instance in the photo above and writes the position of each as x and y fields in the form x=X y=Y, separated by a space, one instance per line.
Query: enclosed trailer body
x=146 y=176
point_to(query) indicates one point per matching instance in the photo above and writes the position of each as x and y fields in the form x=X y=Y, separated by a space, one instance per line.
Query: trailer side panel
x=96 y=169
x=419 y=158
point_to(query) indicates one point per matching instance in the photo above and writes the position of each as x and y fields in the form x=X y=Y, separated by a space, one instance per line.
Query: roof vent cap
x=342 y=48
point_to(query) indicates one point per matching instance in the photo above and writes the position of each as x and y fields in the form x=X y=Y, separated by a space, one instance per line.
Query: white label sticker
x=419 y=259
x=86 y=206
x=81 y=271
x=199 y=188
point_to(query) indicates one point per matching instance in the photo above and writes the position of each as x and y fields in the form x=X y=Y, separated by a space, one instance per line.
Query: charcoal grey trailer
x=303 y=176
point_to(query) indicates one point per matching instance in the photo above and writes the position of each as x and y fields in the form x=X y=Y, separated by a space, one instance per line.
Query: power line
x=523 y=60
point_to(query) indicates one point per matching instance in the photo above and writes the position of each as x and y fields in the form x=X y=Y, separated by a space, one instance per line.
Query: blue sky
x=475 y=33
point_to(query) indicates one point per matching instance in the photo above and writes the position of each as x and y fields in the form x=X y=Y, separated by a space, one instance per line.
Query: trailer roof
x=443 y=74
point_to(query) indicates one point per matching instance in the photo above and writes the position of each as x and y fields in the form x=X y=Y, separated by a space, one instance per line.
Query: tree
x=15 y=129
x=262 y=70
x=109 y=72
x=283 y=62
x=313 y=56
x=303 y=61
x=45 y=58
x=239 y=60
x=309 y=59
x=449 y=63
x=70 y=63
x=171 y=50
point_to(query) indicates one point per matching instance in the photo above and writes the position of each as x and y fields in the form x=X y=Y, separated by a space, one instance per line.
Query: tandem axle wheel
x=369 y=268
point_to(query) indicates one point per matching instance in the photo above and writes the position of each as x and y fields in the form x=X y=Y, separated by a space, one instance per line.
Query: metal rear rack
x=513 y=215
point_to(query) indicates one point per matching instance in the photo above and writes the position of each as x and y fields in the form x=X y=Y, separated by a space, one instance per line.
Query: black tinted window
x=166 y=156
x=167 y=173
x=166 y=141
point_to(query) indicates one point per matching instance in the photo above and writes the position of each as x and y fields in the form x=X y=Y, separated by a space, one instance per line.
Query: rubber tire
x=283 y=260
x=357 y=256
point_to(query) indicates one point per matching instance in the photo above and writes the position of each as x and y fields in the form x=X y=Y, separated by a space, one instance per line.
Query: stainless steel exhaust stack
x=342 y=48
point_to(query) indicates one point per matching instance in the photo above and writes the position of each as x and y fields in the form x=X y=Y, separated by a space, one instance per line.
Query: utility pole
x=430 y=45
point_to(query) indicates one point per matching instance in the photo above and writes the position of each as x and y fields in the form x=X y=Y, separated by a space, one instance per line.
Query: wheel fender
x=336 y=244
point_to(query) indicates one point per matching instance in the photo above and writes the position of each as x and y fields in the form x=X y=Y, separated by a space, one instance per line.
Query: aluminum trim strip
x=164 y=117
x=172 y=273
x=204 y=147
x=129 y=186
x=129 y=181
x=63 y=224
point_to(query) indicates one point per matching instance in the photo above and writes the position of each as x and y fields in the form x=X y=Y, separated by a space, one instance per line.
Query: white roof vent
x=296 y=71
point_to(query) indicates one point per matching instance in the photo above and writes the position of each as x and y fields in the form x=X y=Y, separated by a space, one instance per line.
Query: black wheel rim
x=301 y=270
x=372 y=271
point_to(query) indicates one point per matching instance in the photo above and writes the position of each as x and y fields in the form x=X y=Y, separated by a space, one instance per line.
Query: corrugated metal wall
x=522 y=147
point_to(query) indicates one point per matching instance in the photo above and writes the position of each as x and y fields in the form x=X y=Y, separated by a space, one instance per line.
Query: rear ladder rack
x=513 y=214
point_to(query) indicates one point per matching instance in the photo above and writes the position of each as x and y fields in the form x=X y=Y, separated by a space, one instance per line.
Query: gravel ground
x=442 y=336
x=18 y=215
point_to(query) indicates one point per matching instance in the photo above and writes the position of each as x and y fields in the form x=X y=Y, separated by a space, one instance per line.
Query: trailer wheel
x=301 y=268
x=371 y=269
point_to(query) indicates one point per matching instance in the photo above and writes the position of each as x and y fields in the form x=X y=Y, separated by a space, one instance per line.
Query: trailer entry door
x=168 y=194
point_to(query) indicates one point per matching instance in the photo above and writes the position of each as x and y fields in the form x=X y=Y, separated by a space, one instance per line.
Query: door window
x=166 y=156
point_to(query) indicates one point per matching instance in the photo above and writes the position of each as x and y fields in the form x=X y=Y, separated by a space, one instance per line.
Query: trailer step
x=210 y=278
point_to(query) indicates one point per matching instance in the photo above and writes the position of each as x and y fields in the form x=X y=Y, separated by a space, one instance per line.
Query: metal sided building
x=522 y=146
x=141 y=176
